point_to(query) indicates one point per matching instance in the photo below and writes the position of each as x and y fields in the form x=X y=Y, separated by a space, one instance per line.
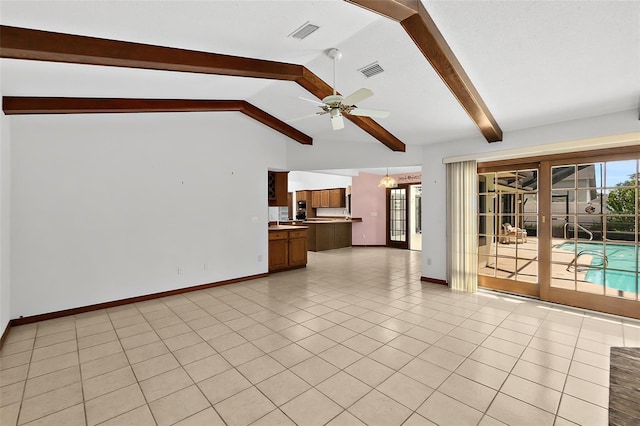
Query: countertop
x=286 y=227
x=319 y=221
x=323 y=222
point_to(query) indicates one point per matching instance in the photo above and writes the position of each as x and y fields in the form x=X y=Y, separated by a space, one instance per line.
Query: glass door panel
x=595 y=228
x=397 y=217
x=508 y=230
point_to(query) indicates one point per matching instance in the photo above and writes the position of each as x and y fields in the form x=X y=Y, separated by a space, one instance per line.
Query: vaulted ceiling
x=517 y=64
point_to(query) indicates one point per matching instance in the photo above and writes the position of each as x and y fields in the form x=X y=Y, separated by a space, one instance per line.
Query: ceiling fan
x=335 y=105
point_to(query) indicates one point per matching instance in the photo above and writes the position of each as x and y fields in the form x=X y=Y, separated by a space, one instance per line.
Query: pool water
x=621 y=271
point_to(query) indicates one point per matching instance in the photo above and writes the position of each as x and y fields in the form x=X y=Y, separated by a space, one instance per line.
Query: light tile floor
x=355 y=338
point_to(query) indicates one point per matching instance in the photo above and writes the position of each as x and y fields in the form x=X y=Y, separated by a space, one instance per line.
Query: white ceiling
x=533 y=62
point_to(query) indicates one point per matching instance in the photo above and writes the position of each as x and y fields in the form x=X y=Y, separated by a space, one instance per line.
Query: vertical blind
x=462 y=226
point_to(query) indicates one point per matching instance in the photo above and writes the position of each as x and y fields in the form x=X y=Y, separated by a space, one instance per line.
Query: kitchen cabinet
x=303 y=196
x=337 y=197
x=315 y=199
x=297 y=248
x=287 y=248
x=278 y=250
x=324 y=198
x=278 y=188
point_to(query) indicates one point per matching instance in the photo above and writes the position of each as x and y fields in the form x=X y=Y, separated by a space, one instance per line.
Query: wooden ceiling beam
x=24 y=43
x=29 y=44
x=398 y=10
x=14 y=105
x=418 y=24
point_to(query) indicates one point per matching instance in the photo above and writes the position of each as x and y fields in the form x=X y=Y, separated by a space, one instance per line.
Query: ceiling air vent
x=303 y=31
x=371 y=69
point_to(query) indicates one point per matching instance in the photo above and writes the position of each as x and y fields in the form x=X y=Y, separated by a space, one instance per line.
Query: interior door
x=397 y=217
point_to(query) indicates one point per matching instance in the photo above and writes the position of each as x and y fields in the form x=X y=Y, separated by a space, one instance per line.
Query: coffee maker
x=301 y=214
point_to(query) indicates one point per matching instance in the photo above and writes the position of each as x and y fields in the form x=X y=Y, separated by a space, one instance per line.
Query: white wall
x=543 y=138
x=106 y=207
x=330 y=154
x=5 y=236
x=299 y=181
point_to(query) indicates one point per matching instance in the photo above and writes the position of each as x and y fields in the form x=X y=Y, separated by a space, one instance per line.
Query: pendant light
x=388 y=181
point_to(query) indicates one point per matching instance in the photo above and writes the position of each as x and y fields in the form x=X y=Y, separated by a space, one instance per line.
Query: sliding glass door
x=565 y=229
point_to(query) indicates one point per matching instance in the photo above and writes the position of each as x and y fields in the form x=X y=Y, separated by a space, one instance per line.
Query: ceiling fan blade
x=311 y=100
x=337 y=122
x=375 y=113
x=357 y=96
x=304 y=117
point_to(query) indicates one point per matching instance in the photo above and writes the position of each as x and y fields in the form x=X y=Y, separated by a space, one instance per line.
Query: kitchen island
x=328 y=234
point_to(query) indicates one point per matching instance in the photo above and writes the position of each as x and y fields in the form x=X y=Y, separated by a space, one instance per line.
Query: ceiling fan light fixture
x=387 y=181
x=336 y=105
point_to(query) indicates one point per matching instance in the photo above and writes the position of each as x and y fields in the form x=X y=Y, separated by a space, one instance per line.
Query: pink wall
x=368 y=202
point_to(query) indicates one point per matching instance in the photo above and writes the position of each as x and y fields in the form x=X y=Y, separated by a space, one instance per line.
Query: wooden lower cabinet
x=278 y=254
x=287 y=249
x=298 y=250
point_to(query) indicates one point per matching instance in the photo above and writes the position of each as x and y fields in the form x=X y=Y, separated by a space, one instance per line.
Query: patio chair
x=516 y=233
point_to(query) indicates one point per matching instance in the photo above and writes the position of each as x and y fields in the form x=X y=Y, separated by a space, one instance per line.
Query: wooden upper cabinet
x=278 y=188
x=315 y=199
x=327 y=198
x=304 y=196
x=337 y=197
x=324 y=198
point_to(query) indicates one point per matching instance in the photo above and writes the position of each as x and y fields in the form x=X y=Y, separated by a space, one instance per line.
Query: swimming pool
x=621 y=270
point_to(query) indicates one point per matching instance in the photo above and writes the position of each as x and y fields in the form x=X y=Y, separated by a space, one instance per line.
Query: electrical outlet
x=179 y=270
x=205 y=266
x=259 y=258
